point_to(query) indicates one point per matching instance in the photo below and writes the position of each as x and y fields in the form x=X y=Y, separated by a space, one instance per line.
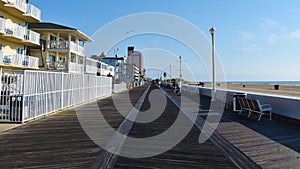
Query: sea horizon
x=268 y=82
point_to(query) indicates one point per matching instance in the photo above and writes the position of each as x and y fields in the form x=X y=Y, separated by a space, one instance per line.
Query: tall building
x=136 y=58
x=15 y=36
x=61 y=49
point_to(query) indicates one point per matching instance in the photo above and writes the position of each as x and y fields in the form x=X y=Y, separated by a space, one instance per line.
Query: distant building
x=118 y=63
x=61 y=49
x=15 y=36
x=136 y=58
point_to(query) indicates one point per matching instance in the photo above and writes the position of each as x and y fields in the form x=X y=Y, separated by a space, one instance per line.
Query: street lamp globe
x=212 y=31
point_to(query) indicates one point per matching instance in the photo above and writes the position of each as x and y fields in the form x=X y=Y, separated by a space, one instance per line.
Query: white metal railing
x=19 y=31
x=16 y=59
x=33 y=62
x=91 y=66
x=75 y=48
x=33 y=37
x=33 y=11
x=75 y=68
x=1 y=56
x=32 y=94
x=19 y=4
x=19 y=60
x=57 y=45
x=2 y=25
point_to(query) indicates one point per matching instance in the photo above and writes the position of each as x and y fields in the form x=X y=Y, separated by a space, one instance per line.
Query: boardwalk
x=58 y=141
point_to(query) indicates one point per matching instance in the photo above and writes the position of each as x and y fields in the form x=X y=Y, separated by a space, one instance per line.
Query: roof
x=113 y=58
x=52 y=26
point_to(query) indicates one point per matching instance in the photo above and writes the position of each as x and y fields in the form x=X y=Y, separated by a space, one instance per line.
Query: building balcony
x=15 y=60
x=19 y=34
x=32 y=38
x=2 y=26
x=79 y=50
x=33 y=14
x=57 y=66
x=76 y=68
x=21 y=9
x=65 y=46
x=16 y=7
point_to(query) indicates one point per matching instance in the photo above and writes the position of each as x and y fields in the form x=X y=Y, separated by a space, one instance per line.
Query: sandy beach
x=284 y=90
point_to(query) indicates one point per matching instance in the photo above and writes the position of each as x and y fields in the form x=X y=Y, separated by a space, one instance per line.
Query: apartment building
x=61 y=49
x=15 y=36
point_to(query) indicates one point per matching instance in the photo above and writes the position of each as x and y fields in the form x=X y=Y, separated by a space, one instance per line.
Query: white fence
x=119 y=87
x=27 y=95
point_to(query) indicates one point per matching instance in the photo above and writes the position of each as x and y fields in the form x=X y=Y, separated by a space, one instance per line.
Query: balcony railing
x=16 y=30
x=59 y=65
x=19 y=4
x=75 y=68
x=19 y=60
x=32 y=37
x=76 y=49
x=33 y=11
x=73 y=47
x=33 y=62
x=57 y=45
x=2 y=25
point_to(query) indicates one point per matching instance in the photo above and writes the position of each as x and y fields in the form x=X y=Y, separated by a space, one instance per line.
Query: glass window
x=51 y=58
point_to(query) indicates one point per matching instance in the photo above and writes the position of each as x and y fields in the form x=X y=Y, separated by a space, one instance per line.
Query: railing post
x=62 y=91
x=23 y=96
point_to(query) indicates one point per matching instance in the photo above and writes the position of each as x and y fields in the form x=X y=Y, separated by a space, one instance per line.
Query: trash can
x=276 y=87
x=15 y=108
x=236 y=104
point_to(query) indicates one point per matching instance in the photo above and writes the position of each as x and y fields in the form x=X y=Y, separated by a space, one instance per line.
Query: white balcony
x=79 y=50
x=32 y=37
x=91 y=66
x=1 y=57
x=62 y=45
x=32 y=13
x=19 y=60
x=57 y=45
x=76 y=68
x=17 y=4
x=33 y=62
x=2 y=25
x=15 y=31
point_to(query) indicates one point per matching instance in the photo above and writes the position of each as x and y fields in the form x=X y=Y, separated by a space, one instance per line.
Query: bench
x=255 y=106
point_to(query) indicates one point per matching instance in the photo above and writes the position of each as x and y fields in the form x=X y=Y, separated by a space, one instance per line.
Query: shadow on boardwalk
x=270 y=144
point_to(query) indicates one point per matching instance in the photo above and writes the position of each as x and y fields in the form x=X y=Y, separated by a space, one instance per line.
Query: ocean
x=289 y=83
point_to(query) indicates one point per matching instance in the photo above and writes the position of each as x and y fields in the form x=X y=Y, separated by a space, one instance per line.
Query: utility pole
x=170 y=72
x=180 y=69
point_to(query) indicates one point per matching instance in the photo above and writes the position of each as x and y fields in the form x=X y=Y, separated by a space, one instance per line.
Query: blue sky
x=255 y=40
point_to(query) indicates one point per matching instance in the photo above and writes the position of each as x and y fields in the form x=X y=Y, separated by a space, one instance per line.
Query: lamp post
x=180 y=70
x=212 y=32
x=170 y=72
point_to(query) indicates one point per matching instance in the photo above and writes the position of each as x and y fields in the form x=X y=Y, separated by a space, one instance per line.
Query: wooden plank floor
x=270 y=144
x=189 y=153
x=57 y=141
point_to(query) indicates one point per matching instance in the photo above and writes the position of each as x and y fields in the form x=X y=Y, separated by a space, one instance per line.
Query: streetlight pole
x=170 y=72
x=180 y=70
x=212 y=32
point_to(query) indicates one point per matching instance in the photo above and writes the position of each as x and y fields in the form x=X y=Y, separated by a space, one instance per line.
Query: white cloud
x=295 y=35
x=268 y=23
x=245 y=35
x=273 y=38
x=251 y=48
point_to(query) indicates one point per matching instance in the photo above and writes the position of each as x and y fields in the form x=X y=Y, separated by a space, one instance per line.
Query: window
x=51 y=58
x=19 y=51
x=52 y=38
